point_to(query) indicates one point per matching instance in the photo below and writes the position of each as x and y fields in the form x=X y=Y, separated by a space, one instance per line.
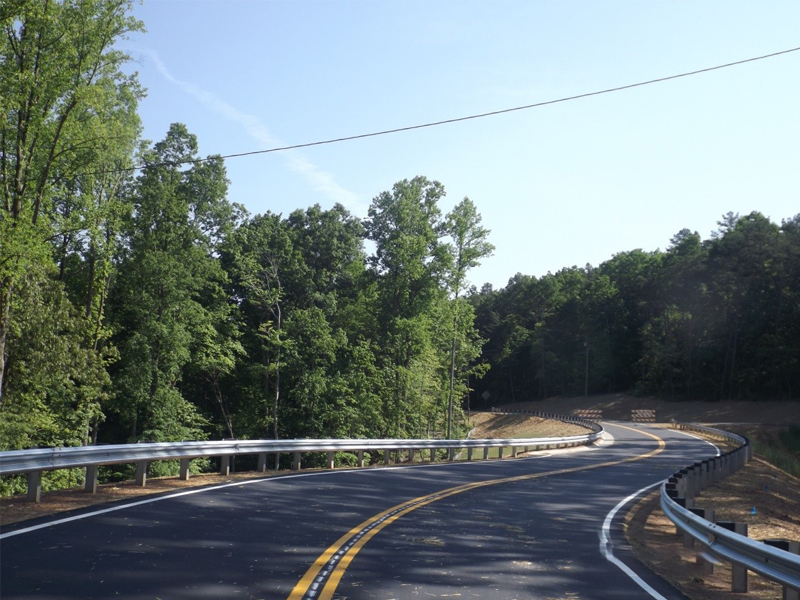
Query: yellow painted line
x=301 y=589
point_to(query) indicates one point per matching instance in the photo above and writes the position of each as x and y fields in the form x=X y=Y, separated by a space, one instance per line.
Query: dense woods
x=141 y=305
x=715 y=319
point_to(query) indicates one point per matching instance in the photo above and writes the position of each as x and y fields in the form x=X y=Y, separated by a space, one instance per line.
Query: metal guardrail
x=33 y=462
x=773 y=563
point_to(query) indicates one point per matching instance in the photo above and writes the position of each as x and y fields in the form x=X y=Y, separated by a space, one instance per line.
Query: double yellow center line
x=328 y=570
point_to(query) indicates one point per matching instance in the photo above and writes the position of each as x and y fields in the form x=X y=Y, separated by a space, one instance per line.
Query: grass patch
x=782 y=451
x=791 y=439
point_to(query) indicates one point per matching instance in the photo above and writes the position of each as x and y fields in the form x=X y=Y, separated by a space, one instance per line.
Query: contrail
x=318 y=179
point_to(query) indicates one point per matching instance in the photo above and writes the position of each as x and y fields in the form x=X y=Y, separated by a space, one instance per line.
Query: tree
x=409 y=266
x=64 y=100
x=469 y=246
x=170 y=306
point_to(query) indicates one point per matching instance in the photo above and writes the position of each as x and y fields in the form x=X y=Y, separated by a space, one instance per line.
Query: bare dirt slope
x=498 y=426
x=617 y=407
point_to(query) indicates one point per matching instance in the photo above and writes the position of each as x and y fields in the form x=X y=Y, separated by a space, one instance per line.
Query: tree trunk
x=5 y=310
x=452 y=377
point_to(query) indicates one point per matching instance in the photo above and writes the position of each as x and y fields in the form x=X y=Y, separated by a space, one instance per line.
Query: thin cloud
x=320 y=180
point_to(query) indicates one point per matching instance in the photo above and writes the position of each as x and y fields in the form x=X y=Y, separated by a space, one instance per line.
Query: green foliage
x=791 y=439
x=68 y=121
x=715 y=319
x=173 y=317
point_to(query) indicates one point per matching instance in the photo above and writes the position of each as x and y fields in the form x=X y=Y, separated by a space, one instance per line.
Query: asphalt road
x=523 y=528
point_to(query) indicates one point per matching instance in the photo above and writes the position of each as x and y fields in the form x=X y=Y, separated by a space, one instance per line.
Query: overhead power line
x=467 y=118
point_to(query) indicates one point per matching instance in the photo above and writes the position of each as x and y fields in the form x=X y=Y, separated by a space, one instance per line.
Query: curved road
x=523 y=528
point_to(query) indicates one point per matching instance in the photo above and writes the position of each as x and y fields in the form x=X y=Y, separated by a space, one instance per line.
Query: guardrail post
x=794 y=548
x=696 y=475
x=225 y=466
x=184 y=473
x=451 y=454
x=387 y=456
x=433 y=454
x=513 y=451
x=704 y=474
x=34 y=486
x=141 y=473
x=713 y=470
x=296 y=461
x=469 y=453
x=486 y=453
x=330 y=460
x=500 y=451
x=360 y=455
x=91 y=479
x=703 y=513
x=688 y=483
x=411 y=453
x=738 y=572
x=261 y=467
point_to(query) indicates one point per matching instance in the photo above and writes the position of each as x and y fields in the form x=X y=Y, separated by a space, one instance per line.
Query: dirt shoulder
x=618 y=407
x=775 y=496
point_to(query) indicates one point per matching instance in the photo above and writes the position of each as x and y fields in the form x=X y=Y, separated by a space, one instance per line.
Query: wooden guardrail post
x=794 y=548
x=387 y=457
x=141 y=473
x=330 y=460
x=469 y=453
x=91 y=479
x=296 y=461
x=261 y=466
x=184 y=472
x=486 y=453
x=35 y=486
x=704 y=513
x=225 y=466
x=738 y=572
x=451 y=454
x=360 y=455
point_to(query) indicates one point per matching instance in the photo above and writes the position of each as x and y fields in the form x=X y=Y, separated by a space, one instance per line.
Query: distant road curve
x=522 y=528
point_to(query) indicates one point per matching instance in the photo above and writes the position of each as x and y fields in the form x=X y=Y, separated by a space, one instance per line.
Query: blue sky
x=560 y=185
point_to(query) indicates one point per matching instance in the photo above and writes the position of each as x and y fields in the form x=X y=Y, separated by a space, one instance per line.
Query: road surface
x=528 y=528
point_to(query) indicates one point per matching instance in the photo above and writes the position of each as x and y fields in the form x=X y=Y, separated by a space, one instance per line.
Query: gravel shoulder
x=773 y=494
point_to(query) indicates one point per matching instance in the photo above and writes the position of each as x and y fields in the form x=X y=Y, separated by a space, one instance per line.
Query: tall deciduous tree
x=469 y=247
x=409 y=266
x=171 y=300
x=67 y=124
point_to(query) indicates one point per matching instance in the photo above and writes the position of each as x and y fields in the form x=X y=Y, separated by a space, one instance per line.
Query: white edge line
x=200 y=490
x=697 y=437
x=607 y=548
